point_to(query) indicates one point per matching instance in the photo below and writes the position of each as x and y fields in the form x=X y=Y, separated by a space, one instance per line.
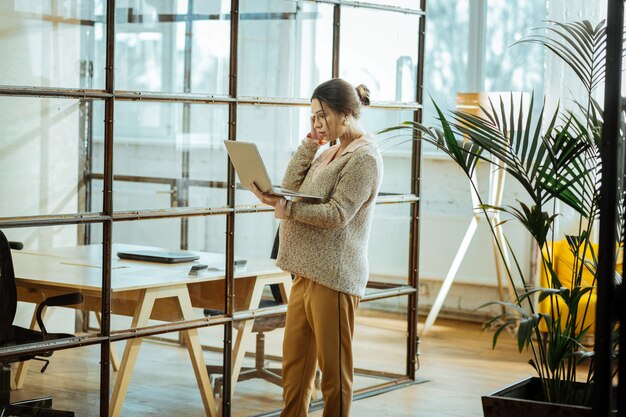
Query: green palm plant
x=555 y=157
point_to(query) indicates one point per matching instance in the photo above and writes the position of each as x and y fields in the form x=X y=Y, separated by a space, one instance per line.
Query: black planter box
x=525 y=399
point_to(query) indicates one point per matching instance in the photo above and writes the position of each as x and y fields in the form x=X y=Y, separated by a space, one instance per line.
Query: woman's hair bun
x=364 y=94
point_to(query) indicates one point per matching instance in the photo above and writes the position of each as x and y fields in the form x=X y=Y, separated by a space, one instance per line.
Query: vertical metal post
x=608 y=212
x=621 y=365
x=183 y=185
x=229 y=287
x=476 y=45
x=620 y=300
x=109 y=112
x=88 y=181
x=336 y=39
x=412 y=317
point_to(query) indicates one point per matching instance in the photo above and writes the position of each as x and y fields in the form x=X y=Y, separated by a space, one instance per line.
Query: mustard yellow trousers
x=319 y=329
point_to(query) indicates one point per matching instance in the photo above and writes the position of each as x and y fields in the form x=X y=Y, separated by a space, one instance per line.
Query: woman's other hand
x=265 y=198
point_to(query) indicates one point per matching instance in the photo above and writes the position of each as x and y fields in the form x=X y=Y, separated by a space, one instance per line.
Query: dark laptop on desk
x=162 y=256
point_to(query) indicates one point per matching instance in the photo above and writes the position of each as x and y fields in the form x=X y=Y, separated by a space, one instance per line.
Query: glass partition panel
x=72 y=380
x=284 y=48
x=148 y=263
x=446 y=57
x=210 y=47
x=164 y=149
x=163 y=380
x=48 y=262
x=396 y=147
x=380 y=326
x=277 y=132
x=510 y=67
x=255 y=237
x=51 y=44
x=43 y=154
x=264 y=393
x=387 y=67
x=154 y=51
x=389 y=244
x=51 y=261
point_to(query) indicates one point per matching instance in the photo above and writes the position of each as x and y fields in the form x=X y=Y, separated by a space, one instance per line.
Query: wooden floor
x=456 y=357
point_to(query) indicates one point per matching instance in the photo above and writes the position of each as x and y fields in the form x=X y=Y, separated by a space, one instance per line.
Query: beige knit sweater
x=327 y=242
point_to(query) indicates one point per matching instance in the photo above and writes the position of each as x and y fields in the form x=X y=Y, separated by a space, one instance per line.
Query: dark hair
x=342 y=97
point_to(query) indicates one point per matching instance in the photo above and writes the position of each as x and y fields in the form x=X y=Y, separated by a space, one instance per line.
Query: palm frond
x=580 y=45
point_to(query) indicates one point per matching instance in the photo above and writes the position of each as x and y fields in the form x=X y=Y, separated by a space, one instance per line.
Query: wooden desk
x=146 y=290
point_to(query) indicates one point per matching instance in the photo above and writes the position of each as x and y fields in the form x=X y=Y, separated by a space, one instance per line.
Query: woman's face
x=329 y=125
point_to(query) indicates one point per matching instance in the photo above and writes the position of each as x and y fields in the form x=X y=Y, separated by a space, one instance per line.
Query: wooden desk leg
x=22 y=367
x=115 y=361
x=243 y=334
x=140 y=318
x=192 y=341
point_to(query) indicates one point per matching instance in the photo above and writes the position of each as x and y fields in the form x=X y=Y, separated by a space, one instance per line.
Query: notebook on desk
x=250 y=168
x=162 y=256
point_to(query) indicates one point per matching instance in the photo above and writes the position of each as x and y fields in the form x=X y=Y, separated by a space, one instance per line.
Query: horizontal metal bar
x=176 y=212
x=67 y=93
x=59 y=20
x=366 y=5
x=378 y=374
x=136 y=178
x=392 y=292
x=50 y=345
x=282 y=101
x=164 y=180
x=127 y=15
x=52 y=220
x=396 y=198
x=173 y=97
x=168 y=328
x=244 y=100
x=168 y=213
x=381 y=285
x=358 y=394
x=194 y=324
x=130 y=17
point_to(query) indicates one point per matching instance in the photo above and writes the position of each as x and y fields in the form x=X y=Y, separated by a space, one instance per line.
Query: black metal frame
x=610 y=307
x=108 y=216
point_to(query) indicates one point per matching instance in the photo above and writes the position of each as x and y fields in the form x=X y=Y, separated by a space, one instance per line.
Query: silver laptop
x=250 y=168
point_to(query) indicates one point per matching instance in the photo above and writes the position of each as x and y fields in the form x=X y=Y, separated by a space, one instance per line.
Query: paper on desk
x=93 y=265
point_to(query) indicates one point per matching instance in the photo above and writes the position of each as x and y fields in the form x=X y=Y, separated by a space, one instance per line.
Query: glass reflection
x=388 y=245
x=387 y=67
x=162 y=151
x=170 y=47
x=284 y=48
x=45 y=150
x=50 y=44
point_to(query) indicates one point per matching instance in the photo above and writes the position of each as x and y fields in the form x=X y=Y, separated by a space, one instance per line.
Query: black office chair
x=260 y=327
x=11 y=335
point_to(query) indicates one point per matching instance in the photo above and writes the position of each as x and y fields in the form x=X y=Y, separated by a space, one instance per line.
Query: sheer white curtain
x=561 y=84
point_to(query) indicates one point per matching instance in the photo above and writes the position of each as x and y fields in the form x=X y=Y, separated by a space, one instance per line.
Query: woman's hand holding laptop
x=269 y=199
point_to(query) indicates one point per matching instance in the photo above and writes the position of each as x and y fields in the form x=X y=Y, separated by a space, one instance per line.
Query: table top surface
x=80 y=267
